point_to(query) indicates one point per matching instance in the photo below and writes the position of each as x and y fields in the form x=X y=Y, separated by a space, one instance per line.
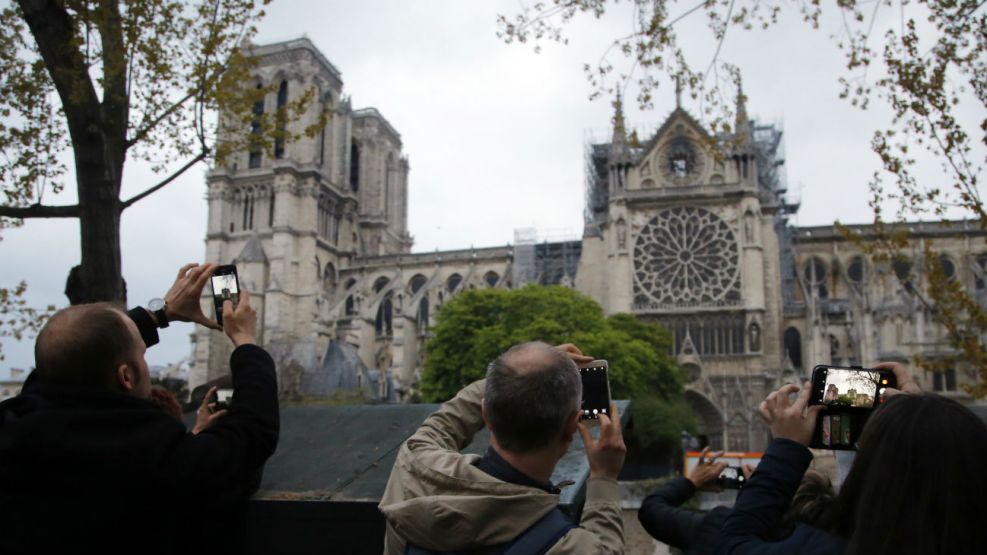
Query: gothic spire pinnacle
x=619 y=130
x=619 y=143
x=678 y=91
x=741 y=121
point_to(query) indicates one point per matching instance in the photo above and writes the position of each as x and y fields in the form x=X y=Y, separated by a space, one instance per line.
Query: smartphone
x=732 y=477
x=225 y=286
x=849 y=396
x=223 y=399
x=596 y=390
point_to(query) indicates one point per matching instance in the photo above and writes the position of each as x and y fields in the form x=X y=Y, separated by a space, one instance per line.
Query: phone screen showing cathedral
x=224 y=287
x=850 y=388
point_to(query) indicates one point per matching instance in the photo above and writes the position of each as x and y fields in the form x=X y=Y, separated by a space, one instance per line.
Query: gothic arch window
x=380 y=283
x=328 y=224
x=453 y=282
x=686 y=257
x=815 y=276
x=491 y=278
x=248 y=212
x=857 y=271
x=354 y=167
x=270 y=209
x=281 y=119
x=350 y=305
x=980 y=272
x=326 y=106
x=416 y=283
x=737 y=433
x=256 y=147
x=902 y=267
x=947 y=266
x=383 y=324
x=388 y=170
x=423 y=315
x=793 y=346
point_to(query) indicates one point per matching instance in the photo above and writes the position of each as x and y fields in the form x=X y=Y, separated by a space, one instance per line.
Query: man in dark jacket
x=89 y=465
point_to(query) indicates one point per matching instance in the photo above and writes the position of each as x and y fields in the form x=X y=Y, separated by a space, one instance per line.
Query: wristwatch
x=157 y=307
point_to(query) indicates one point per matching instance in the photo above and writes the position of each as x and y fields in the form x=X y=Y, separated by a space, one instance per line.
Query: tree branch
x=40 y=211
x=142 y=132
x=126 y=204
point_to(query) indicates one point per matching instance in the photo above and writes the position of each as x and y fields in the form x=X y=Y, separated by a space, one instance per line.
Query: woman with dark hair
x=916 y=485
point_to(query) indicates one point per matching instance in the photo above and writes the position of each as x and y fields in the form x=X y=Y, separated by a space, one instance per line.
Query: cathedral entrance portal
x=709 y=419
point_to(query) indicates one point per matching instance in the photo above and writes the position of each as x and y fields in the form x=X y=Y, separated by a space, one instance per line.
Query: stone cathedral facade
x=682 y=228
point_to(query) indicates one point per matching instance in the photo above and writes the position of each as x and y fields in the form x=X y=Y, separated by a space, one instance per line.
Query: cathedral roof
x=253 y=251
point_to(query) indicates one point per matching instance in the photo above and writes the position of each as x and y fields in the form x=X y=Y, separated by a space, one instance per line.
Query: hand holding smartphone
x=596 y=390
x=225 y=287
x=849 y=396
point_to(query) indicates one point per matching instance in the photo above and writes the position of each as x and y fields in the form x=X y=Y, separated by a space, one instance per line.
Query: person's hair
x=917 y=483
x=813 y=500
x=530 y=392
x=83 y=345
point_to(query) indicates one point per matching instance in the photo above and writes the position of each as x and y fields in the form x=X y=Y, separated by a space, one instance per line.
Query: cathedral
x=682 y=228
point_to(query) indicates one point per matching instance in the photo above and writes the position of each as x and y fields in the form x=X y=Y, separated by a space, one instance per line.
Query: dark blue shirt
x=495 y=465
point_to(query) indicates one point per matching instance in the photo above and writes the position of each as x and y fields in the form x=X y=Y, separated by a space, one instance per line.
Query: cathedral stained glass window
x=685 y=257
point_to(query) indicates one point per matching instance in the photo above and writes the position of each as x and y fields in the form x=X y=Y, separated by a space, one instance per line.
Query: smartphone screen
x=596 y=390
x=849 y=395
x=732 y=477
x=225 y=286
x=223 y=398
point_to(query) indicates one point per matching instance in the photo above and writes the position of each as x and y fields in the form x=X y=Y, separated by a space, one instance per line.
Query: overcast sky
x=494 y=133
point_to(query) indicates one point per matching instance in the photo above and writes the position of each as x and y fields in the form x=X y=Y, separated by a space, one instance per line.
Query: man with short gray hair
x=441 y=501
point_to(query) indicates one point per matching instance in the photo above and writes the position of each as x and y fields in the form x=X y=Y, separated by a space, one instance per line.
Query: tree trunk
x=98 y=277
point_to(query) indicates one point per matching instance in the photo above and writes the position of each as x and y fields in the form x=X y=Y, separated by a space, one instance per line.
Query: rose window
x=686 y=257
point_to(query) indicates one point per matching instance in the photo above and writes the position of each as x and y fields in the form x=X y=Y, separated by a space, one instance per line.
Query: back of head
x=813 y=500
x=83 y=345
x=530 y=392
x=917 y=483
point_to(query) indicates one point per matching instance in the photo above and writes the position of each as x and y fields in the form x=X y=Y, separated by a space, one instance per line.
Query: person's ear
x=483 y=413
x=571 y=425
x=125 y=378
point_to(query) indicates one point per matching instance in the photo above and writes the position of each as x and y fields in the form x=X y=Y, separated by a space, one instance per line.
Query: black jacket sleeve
x=757 y=516
x=664 y=520
x=223 y=461
x=149 y=331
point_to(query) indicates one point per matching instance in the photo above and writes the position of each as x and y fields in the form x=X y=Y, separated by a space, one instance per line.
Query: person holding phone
x=89 y=464
x=693 y=532
x=915 y=486
x=439 y=500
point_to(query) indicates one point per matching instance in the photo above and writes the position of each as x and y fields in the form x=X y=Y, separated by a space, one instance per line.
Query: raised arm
x=453 y=426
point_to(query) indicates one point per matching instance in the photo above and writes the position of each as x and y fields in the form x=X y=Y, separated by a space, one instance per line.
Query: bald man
x=89 y=464
x=441 y=501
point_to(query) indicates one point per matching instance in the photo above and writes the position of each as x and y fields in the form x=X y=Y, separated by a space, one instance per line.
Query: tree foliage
x=87 y=85
x=101 y=82
x=17 y=318
x=926 y=61
x=476 y=326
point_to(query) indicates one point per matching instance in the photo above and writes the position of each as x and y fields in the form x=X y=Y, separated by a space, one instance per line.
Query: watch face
x=155 y=304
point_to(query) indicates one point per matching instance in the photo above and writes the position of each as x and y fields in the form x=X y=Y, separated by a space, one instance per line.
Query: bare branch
x=40 y=211
x=126 y=204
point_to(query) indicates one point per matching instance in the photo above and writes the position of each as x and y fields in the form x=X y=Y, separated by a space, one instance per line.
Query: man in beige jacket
x=443 y=501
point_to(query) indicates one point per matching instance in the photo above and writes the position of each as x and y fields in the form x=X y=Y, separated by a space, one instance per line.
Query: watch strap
x=162 y=318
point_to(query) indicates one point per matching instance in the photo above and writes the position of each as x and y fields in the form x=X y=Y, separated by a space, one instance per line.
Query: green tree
x=476 y=326
x=101 y=82
x=926 y=64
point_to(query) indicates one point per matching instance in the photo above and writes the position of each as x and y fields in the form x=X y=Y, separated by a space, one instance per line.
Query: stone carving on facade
x=621 y=234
